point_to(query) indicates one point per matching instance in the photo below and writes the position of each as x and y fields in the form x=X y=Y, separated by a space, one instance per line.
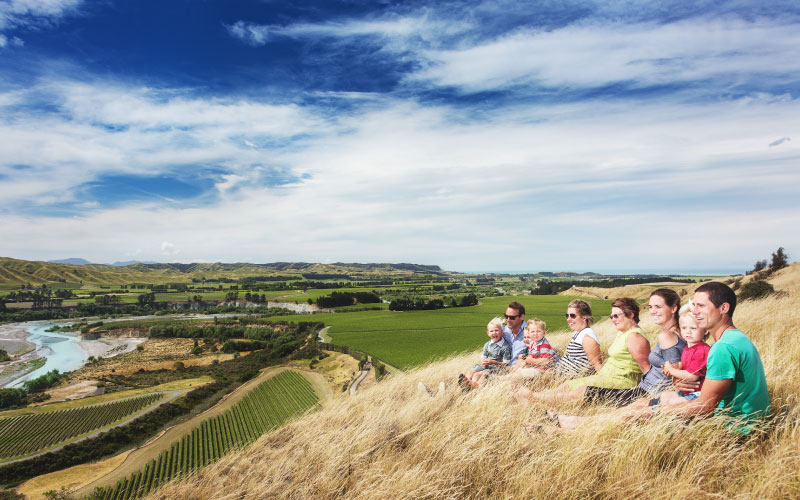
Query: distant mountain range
x=77 y=270
x=83 y=262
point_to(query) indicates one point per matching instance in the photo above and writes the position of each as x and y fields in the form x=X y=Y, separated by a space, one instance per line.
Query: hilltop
x=20 y=272
x=391 y=441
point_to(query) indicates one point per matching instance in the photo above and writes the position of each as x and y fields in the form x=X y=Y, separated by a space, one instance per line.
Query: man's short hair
x=517 y=307
x=718 y=294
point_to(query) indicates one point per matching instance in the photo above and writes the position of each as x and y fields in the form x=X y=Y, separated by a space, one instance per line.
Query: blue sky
x=504 y=135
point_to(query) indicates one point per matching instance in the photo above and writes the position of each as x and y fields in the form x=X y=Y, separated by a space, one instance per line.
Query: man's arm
x=710 y=395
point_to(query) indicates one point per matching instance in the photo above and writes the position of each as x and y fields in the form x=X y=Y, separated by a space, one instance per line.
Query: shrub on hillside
x=756 y=290
x=11 y=397
x=46 y=381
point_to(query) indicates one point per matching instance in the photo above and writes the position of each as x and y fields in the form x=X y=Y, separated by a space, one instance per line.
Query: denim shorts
x=689 y=396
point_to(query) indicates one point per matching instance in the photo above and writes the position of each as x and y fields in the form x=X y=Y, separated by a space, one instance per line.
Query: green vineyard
x=265 y=408
x=26 y=434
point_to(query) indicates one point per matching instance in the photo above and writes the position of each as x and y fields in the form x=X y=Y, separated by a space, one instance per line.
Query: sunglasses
x=615 y=316
x=570 y=315
x=512 y=317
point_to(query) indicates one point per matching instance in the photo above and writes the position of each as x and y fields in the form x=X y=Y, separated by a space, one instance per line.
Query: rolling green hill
x=20 y=272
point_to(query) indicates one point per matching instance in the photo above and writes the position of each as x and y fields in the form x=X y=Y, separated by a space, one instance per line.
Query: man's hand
x=486 y=362
x=685 y=385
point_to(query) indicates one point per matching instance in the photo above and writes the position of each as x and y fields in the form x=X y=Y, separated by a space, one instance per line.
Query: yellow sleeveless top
x=620 y=370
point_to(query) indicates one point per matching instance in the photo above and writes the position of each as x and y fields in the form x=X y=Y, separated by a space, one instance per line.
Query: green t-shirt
x=735 y=357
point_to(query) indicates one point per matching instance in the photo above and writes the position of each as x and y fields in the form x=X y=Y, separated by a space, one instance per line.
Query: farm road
x=354 y=387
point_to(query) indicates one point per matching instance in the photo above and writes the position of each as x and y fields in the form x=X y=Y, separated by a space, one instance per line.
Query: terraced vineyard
x=26 y=434
x=265 y=408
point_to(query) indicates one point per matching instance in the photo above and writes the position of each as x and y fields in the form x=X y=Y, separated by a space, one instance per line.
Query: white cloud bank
x=656 y=185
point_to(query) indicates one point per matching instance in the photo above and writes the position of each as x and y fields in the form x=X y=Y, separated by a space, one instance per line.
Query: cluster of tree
x=242 y=346
x=547 y=287
x=422 y=304
x=277 y=339
x=46 y=381
x=339 y=299
x=327 y=276
x=107 y=300
x=11 y=397
x=4 y=356
x=441 y=288
x=779 y=260
x=255 y=279
x=40 y=298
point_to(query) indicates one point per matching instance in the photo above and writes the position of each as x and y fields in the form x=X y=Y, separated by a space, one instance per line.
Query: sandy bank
x=109 y=347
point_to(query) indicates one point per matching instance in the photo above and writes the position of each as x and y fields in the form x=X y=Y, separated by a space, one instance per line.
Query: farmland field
x=411 y=338
x=26 y=434
x=265 y=408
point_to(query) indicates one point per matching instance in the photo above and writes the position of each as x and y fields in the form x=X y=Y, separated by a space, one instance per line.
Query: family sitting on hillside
x=680 y=375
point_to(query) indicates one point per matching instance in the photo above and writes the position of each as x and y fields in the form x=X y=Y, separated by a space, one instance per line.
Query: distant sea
x=626 y=272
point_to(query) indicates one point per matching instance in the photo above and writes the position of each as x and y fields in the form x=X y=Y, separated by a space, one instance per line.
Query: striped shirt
x=541 y=349
x=575 y=362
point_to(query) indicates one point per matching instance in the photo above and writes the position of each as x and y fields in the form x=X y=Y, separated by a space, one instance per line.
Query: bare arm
x=639 y=349
x=487 y=362
x=674 y=371
x=592 y=350
x=710 y=395
x=531 y=361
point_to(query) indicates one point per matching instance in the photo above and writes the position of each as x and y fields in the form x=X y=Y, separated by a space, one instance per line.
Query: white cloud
x=527 y=186
x=396 y=32
x=20 y=12
x=169 y=249
x=780 y=141
x=253 y=34
x=588 y=55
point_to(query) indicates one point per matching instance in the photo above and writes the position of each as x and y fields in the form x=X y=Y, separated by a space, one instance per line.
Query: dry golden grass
x=392 y=442
x=156 y=353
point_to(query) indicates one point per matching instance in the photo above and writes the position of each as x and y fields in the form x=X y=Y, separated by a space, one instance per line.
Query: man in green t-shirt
x=735 y=383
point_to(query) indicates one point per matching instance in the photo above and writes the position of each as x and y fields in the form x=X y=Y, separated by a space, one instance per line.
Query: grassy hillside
x=393 y=442
x=19 y=272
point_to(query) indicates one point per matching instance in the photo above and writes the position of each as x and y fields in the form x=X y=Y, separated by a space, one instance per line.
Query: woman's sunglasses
x=570 y=315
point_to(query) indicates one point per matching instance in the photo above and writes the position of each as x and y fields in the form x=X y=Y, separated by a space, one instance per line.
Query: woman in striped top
x=582 y=356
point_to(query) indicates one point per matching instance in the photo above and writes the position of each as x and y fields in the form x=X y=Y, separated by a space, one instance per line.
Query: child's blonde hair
x=686 y=311
x=495 y=321
x=536 y=322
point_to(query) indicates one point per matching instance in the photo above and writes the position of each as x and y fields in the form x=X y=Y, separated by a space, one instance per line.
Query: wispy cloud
x=780 y=141
x=394 y=32
x=25 y=12
x=732 y=52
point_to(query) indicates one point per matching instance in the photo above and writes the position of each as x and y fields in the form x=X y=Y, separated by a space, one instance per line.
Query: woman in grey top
x=663 y=307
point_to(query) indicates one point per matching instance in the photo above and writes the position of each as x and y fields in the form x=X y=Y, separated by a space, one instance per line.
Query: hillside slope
x=20 y=272
x=393 y=442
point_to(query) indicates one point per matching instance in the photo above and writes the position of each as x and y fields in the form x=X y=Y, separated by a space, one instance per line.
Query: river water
x=64 y=351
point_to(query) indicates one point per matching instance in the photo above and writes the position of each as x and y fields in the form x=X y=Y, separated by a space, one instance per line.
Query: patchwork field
x=412 y=338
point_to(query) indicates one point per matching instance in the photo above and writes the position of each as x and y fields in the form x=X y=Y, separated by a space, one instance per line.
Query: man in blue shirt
x=514 y=331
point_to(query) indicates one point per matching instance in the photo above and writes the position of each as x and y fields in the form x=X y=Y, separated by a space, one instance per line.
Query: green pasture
x=411 y=338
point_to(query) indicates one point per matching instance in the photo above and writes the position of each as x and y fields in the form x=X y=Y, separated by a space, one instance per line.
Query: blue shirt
x=517 y=343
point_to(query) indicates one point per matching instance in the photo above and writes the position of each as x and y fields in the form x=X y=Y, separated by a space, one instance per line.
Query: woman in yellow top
x=627 y=360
